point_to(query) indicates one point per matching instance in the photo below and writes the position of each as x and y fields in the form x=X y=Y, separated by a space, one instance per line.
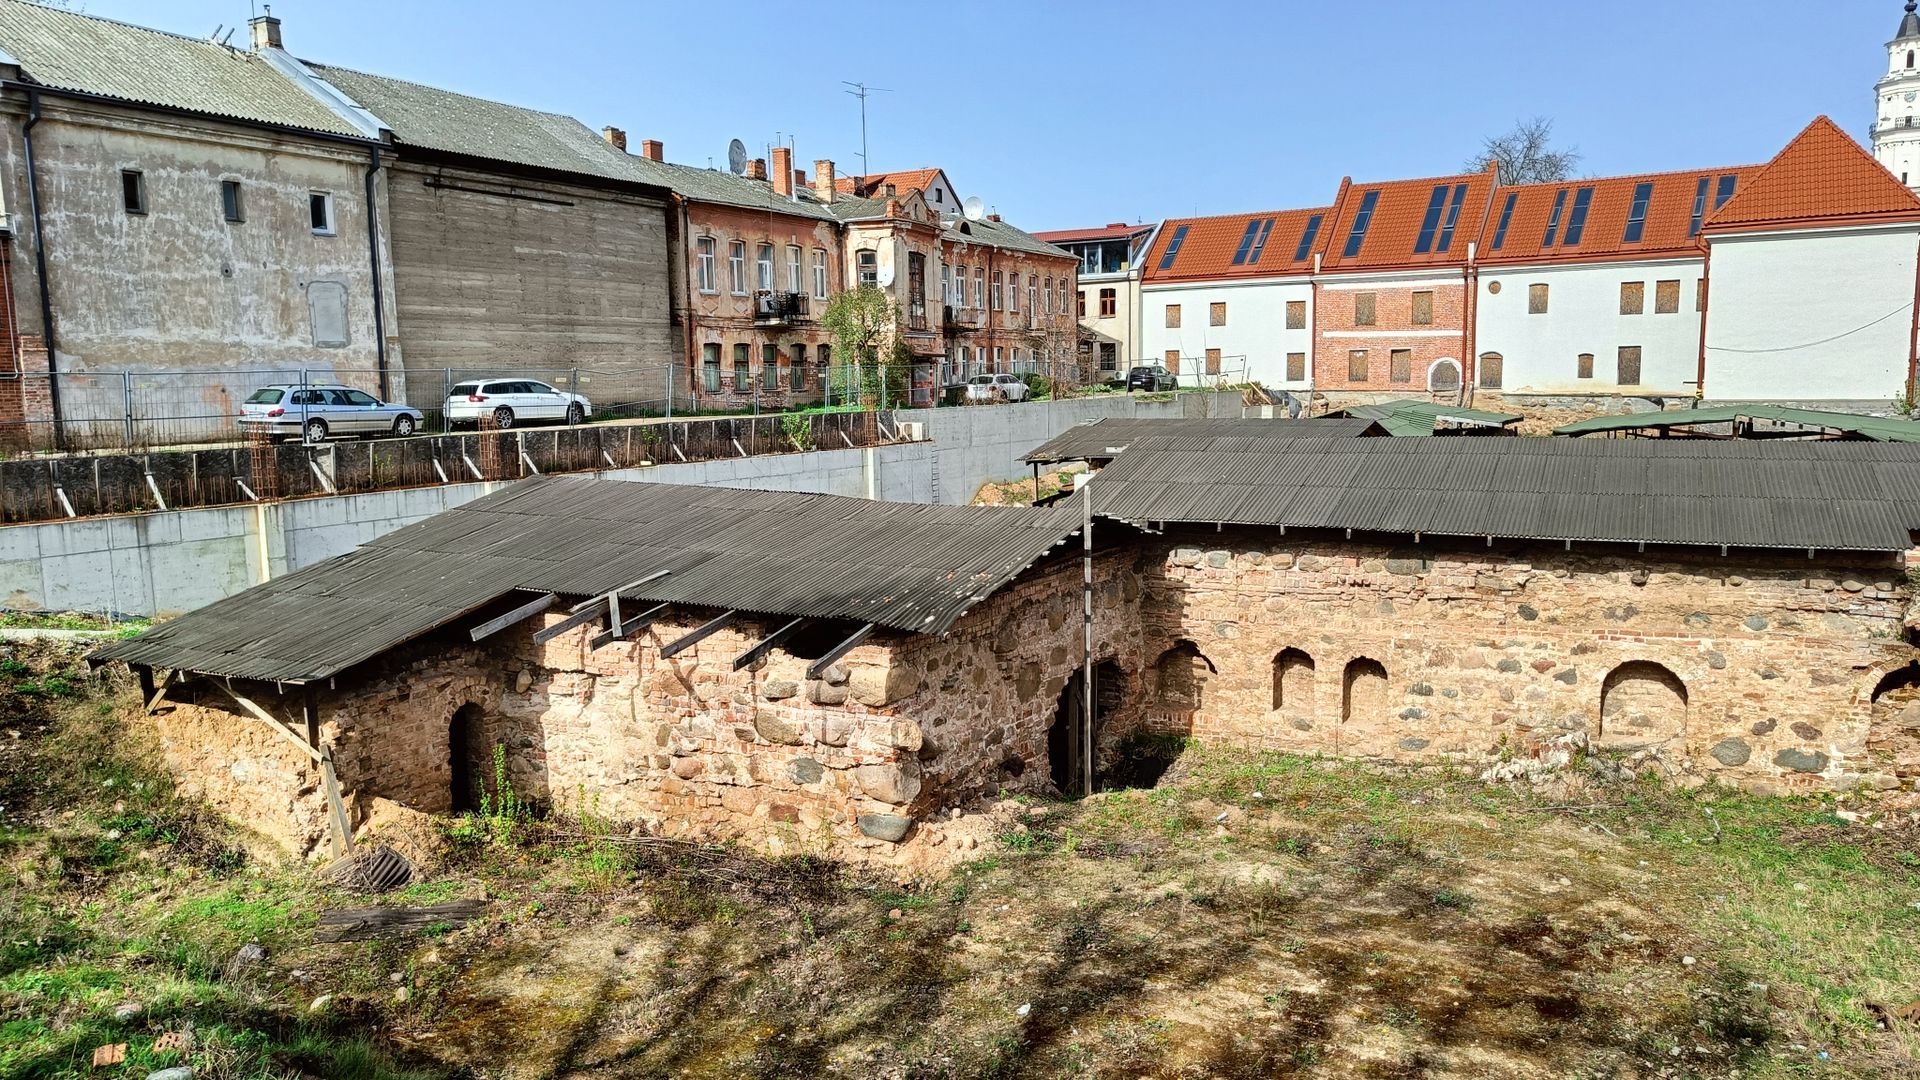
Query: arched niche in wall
x=1642 y=704
x=1363 y=690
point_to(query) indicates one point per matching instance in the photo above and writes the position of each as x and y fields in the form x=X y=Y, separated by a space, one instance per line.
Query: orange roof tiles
x=873 y=183
x=1822 y=176
x=1209 y=244
x=1399 y=212
x=1669 y=227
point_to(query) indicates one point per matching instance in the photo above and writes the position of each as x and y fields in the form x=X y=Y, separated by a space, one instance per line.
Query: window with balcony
x=1109 y=303
x=737 y=267
x=703 y=264
x=917 y=290
x=793 y=270
x=763 y=267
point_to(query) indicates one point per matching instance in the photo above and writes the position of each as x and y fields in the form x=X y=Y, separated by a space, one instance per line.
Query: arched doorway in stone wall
x=466 y=758
x=1065 y=754
x=1642 y=704
x=1363 y=694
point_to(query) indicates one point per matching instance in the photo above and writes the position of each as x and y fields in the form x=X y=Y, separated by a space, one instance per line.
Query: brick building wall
x=1392 y=334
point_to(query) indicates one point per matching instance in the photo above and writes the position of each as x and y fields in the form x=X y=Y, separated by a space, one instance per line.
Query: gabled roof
x=1822 y=177
x=1265 y=244
x=700 y=185
x=436 y=119
x=875 y=184
x=1806 y=421
x=999 y=234
x=70 y=51
x=1400 y=211
x=1669 y=226
x=1117 y=231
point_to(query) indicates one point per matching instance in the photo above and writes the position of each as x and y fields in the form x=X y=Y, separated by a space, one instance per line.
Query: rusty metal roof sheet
x=910 y=567
x=1102 y=440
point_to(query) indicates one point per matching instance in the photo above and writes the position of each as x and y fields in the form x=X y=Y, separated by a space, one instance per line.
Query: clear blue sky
x=1065 y=114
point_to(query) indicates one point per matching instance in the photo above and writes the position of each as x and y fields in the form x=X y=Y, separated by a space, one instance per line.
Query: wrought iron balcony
x=778 y=308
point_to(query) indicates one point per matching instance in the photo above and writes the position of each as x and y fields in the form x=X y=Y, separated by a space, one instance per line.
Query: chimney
x=652 y=150
x=993 y=217
x=757 y=169
x=799 y=178
x=823 y=180
x=616 y=137
x=266 y=31
x=783 y=172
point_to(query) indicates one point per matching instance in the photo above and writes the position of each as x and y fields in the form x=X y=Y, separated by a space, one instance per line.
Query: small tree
x=1526 y=155
x=863 y=321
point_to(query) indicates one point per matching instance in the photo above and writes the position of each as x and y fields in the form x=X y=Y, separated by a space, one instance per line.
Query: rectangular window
x=1357 y=233
x=230 y=201
x=1109 y=356
x=1585 y=366
x=1312 y=233
x=320 y=212
x=1666 y=297
x=1536 y=299
x=996 y=290
x=1109 y=303
x=1296 y=314
x=793 y=270
x=1724 y=190
x=1049 y=296
x=1429 y=225
x=1217 y=314
x=1080 y=304
x=1699 y=207
x=1013 y=292
x=737 y=267
x=769 y=367
x=133 y=191
x=1506 y=219
x=1252 y=242
x=1357 y=365
x=1577 y=224
x=1453 y=216
x=742 y=368
x=1173 y=316
x=1296 y=367
x=1400 y=364
x=1637 y=213
x=797 y=369
x=1700 y=295
x=980 y=287
x=820 y=273
x=710 y=366
x=1033 y=295
x=1490 y=370
x=1173 y=246
x=1363 y=309
x=703 y=263
x=1633 y=297
x=1172 y=360
x=1213 y=361
x=1629 y=365
x=1260 y=242
x=1553 y=222
x=1423 y=308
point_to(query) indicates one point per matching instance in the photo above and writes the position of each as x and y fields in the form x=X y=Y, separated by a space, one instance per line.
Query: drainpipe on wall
x=1705 y=294
x=1469 y=339
x=1913 y=336
x=40 y=269
x=373 y=257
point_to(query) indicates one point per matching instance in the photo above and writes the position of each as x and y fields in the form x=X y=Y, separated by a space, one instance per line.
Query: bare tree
x=1526 y=154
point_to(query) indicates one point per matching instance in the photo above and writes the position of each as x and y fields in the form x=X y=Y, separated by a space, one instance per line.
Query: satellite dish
x=974 y=208
x=737 y=157
x=883 y=276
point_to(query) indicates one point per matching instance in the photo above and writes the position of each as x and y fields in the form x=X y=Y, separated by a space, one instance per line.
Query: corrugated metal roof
x=1793 y=495
x=1103 y=439
x=1878 y=428
x=907 y=566
x=71 y=51
x=1413 y=417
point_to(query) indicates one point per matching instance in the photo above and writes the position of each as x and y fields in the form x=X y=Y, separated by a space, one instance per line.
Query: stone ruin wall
x=1758 y=670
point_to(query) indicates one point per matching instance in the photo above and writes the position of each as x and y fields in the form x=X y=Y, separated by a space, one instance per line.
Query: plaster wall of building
x=721 y=318
x=1585 y=316
x=1853 y=287
x=1255 y=337
x=1121 y=328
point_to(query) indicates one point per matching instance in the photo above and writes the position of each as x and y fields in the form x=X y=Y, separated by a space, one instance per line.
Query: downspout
x=40 y=269
x=1913 y=337
x=1470 y=280
x=1705 y=294
x=373 y=259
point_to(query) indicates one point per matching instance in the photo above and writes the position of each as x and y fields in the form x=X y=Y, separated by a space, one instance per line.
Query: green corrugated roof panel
x=1413 y=417
x=1879 y=428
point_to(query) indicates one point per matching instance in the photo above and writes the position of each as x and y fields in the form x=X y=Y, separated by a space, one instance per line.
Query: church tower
x=1896 y=132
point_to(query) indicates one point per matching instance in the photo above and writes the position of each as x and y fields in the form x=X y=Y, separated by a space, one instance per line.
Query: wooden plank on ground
x=359 y=924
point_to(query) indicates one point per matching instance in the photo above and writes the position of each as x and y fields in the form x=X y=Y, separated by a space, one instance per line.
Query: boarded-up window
x=1700 y=295
x=1363 y=304
x=1217 y=314
x=1629 y=365
x=1173 y=315
x=1666 y=297
x=1536 y=299
x=1444 y=375
x=1491 y=365
x=1296 y=314
x=1172 y=361
x=1296 y=367
x=327 y=309
x=1401 y=364
x=1633 y=297
x=1213 y=361
x=1357 y=365
x=1585 y=370
x=1422 y=308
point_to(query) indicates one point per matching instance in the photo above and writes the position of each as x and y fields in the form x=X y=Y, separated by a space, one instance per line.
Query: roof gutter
x=40 y=269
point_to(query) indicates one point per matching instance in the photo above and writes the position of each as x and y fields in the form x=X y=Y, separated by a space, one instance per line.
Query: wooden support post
x=310 y=711
x=271 y=720
x=698 y=634
x=814 y=669
x=634 y=625
x=518 y=615
x=764 y=645
x=146 y=683
x=336 y=806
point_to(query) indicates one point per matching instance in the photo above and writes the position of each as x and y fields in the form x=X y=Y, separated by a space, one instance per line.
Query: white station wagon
x=511 y=401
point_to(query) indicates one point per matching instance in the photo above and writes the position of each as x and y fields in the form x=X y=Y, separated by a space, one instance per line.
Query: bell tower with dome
x=1896 y=128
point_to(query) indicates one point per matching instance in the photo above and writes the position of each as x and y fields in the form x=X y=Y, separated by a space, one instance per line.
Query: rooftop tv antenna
x=974 y=208
x=737 y=157
x=861 y=90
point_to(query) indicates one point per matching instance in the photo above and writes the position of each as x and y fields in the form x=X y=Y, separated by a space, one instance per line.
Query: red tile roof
x=1822 y=177
x=1398 y=214
x=1669 y=227
x=1208 y=246
x=874 y=183
x=1117 y=231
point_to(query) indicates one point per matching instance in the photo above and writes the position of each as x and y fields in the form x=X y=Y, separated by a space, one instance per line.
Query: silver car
x=314 y=411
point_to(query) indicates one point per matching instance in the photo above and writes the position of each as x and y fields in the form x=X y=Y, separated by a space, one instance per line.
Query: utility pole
x=861 y=90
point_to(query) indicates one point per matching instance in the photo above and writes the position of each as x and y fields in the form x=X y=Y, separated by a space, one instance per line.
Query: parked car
x=996 y=387
x=1151 y=377
x=509 y=401
x=315 y=411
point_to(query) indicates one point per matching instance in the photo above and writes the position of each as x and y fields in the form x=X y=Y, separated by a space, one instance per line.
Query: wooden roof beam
x=764 y=645
x=698 y=634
